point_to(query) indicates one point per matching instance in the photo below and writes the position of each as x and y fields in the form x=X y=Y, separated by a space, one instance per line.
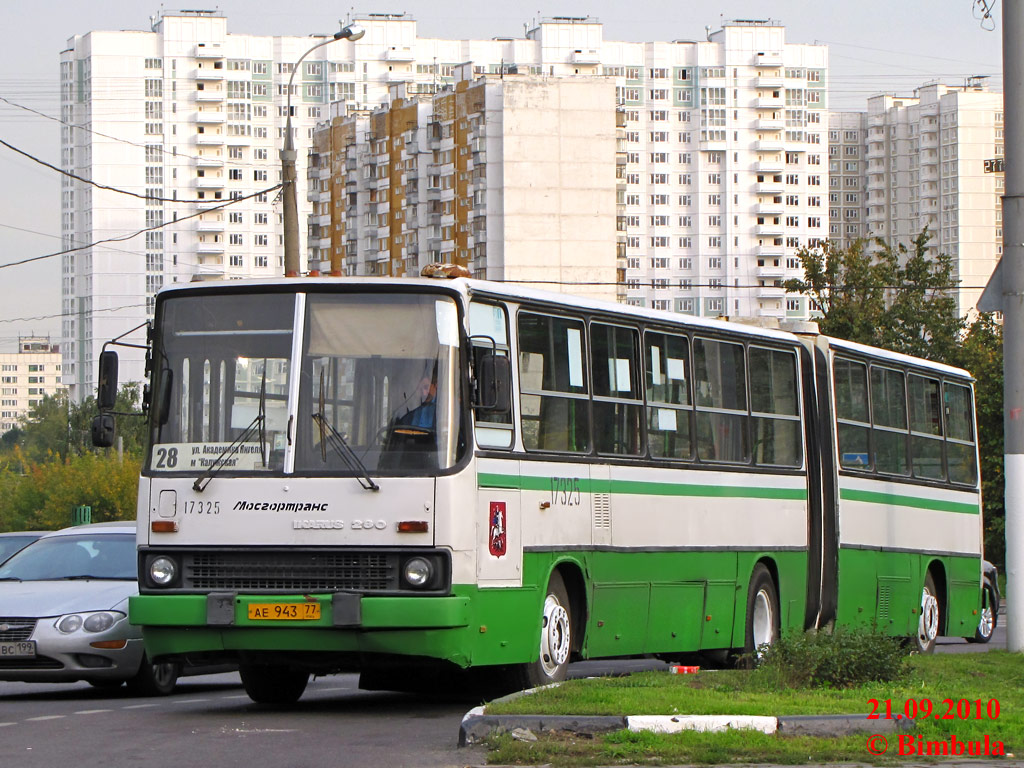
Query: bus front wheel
x=552 y=664
x=928 y=624
x=762 y=611
x=273 y=683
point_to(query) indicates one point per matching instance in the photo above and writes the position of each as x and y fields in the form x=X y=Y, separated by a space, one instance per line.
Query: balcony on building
x=208 y=95
x=767 y=59
x=771 y=291
x=770 y=165
x=239 y=141
x=400 y=53
x=773 y=144
x=770 y=124
x=769 y=102
x=769 y=230
x=586 y=56
x=773 y=208
x=204 y=225
x=209 y=161
x=771 y=187
x=770 y=271
x=209 y=249
x=209 y=139
x=208 y=73
x=210 y=116
x=770 y=251
x=208 y=51
x=769 y=80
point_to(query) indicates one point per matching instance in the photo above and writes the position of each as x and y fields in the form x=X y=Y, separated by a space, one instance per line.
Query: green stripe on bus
x=640 y=488
x=896 y=500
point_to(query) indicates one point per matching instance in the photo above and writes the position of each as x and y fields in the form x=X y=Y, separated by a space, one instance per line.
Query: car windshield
x=11 y=544
x=81 y=556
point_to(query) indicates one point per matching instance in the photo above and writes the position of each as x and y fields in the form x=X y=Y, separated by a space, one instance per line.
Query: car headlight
x=100 y=621
x=162 y=570
x=417 y=571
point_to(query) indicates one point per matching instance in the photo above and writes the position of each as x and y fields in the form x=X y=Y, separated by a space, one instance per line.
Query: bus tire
x=276 y=684
x=762 y=612
x=555 y=641
x=928 y=623
x=989 y=615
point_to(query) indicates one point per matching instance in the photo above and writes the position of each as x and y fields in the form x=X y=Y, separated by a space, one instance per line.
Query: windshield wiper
x=329 y=435
x=90 y=577
x=256 y=427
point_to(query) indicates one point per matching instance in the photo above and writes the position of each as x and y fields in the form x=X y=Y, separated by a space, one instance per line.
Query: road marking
x=243 y=696
x=92 y=711
x=3 y=725
x=138 y=706
x=188 y=701
x=44 y=717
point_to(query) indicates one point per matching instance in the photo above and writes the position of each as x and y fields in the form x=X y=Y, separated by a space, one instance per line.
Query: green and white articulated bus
x=398 y=475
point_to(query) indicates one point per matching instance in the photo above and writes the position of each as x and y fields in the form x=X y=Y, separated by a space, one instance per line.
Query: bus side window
x=669 y=405
x=773 y=404
x=617 y=405
x=721 y=398
x=889 y=420
x=925 y=428
x=554 y=400
x=853 y=422
x=960 y=450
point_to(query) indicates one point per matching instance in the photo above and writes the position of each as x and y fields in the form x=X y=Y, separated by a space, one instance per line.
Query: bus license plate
x=284 y=611
x=21 y=650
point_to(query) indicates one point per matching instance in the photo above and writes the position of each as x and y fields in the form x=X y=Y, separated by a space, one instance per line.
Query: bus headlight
x=417 y=572
x=162 y=571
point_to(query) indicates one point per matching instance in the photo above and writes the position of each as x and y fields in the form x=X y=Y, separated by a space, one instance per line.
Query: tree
x=57 y=429
x=893 y=298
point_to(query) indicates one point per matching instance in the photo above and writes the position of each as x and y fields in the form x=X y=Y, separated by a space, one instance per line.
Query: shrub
x=841 y=658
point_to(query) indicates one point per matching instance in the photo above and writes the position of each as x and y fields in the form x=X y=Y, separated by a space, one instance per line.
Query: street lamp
x=291 y=205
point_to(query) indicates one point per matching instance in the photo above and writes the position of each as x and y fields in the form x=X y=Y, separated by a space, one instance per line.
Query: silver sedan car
x=64 y=612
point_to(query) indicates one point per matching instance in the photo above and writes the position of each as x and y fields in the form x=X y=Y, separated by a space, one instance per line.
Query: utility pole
x=1013 y=317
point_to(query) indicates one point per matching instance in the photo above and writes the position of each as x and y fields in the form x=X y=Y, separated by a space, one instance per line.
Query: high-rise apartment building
x=723 y=156
x=512 y=176
x=26 y=376
x=847 y=177
x=931 y=160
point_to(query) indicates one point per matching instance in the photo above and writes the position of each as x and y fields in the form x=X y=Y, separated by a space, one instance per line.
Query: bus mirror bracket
x=104 y=425
x=493 y=385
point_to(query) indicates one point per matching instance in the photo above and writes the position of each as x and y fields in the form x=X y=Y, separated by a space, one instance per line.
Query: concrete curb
x=477 y=726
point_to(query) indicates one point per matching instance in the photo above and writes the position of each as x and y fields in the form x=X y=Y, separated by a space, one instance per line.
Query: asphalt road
x=210 y=721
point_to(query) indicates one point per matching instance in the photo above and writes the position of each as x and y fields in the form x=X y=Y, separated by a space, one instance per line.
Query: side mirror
x=104 y=430
x=494 y=383
x=106 y=389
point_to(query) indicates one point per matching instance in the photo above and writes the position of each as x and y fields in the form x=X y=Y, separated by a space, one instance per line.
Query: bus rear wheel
x=273 y=683
x=762 y=612
x=928 y=624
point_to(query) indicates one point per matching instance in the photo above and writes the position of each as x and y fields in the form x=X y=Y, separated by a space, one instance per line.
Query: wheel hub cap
x=554 y=636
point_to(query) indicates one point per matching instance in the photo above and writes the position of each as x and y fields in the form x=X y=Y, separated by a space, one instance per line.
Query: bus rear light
x=413 y=526
x=164 y=526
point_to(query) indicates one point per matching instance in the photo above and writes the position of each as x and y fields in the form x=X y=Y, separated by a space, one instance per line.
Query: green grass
x=994 y=675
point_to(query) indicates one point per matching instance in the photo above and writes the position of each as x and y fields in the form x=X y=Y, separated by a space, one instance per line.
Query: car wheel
x=928 y=624
x=154 y=679
x=989 y=616
x=273 y=683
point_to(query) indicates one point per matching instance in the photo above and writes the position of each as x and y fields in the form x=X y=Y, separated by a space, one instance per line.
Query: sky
x=874 y=47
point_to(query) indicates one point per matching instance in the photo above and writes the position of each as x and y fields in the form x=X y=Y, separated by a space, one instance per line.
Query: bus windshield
x=374 y=387
x=380 y=379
